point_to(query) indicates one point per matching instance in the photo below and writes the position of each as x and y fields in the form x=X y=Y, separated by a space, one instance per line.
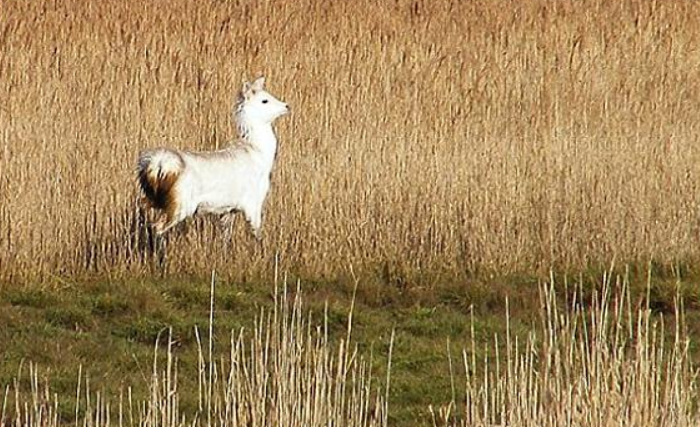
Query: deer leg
x=255 y=221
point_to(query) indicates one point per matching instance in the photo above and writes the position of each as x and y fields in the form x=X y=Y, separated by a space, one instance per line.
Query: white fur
x=230 y=180
x=164 y=161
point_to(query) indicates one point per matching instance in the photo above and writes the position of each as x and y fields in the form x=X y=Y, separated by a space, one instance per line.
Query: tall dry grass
x=608 y=364
x=425 y=135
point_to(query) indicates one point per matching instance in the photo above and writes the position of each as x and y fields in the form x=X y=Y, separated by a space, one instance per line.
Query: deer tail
x=158 y=172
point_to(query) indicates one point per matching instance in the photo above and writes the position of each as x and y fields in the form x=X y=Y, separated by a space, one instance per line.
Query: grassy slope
x=109 y=328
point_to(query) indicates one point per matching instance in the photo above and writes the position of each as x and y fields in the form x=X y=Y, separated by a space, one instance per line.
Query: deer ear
x=246 y=91
x=258 y=84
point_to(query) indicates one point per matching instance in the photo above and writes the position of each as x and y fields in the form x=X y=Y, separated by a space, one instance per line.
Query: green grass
x=109 y=328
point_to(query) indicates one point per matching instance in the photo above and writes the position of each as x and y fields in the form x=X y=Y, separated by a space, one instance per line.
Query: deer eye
x=264 y=101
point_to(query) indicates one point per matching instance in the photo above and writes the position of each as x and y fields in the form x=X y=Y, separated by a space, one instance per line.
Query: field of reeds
x=425 y=136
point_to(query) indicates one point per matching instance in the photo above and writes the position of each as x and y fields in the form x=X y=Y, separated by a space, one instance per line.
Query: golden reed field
x=425 y=136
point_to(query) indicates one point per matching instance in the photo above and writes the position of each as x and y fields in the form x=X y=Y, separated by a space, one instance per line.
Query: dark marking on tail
x=157 y=189
x=157 y=184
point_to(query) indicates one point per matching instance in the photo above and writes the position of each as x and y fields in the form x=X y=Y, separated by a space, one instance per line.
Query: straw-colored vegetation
x=606 y=365
x=425 y=135
x=428 y=140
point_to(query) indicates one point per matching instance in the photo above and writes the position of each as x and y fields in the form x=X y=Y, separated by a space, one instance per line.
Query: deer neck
x=261 y=137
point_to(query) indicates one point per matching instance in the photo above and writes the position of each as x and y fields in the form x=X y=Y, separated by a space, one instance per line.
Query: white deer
x=181 y=183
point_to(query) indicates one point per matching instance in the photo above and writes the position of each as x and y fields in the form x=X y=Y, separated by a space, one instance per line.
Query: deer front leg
x=255 y=220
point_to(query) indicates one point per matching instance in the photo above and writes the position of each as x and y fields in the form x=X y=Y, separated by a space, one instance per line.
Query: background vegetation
x=426 y=136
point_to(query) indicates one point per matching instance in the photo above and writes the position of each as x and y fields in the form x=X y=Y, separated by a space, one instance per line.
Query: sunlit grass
x=441 y=137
